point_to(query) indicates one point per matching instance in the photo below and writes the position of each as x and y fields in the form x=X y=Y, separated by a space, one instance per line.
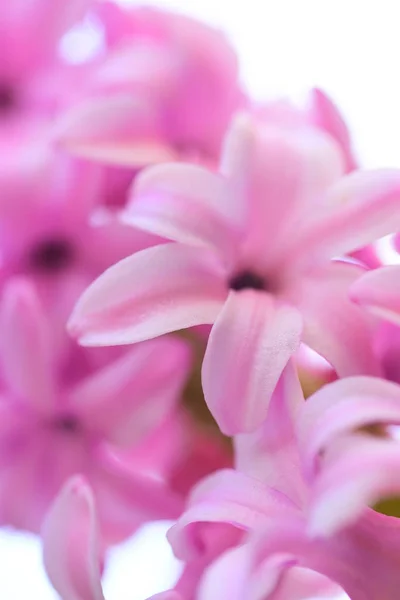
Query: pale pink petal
x=379 y=292
x=186 y=203
x=333 y=325
x=271 y=453
x=288 y=174
x=227 y=498
x=117 y=129
x=70 y=545
x=343 y=406
x=153 y=292
x=365 y=206
x=25 y=345
x=364 y=472
x=259 y=335
x=326 y=116
x=126 y=400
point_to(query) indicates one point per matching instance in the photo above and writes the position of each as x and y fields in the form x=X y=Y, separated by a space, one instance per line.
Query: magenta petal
x=158 y=290
x=186 y=203
x=133 y=395
x=249 y=346
x=25 y=345
x=379 y=292
x=70 y=545
x=333 y=326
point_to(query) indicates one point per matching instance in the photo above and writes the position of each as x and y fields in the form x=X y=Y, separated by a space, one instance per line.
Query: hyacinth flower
x=251 y=254
x=53 y=228
x=31 y=73
x=166 y=89
x=50 y=431
x=292 y=520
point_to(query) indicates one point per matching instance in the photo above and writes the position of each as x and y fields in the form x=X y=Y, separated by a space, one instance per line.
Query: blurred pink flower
x=253 y=257
x=167 y=88
x=50 y=431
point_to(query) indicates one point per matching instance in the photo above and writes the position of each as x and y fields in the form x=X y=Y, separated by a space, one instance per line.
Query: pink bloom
x=50 y=431
x=300 y=498
x=167 y=89
x=292 y=522
x=254 y=258
x=52 y=227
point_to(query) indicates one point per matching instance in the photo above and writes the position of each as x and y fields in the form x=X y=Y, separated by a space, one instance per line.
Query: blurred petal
x=129 y=398
x=327 y=117
x=379 y=292
x=333 y=326
x=186 y=203
x=70 y=546
x=25 y=345
x=260 y=336
x=158 y=290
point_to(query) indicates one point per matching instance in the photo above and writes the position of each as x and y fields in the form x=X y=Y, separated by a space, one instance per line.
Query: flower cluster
x=195 y=322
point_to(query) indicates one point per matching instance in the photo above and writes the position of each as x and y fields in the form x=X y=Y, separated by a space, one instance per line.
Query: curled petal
x=158 y=290
x=186 y=203
x=70 y=546
x=130 y=397
x=260 y=336
x=379 y=292
x=25 y=345
x=226 y=498
x=363 y=473
x=341 y=407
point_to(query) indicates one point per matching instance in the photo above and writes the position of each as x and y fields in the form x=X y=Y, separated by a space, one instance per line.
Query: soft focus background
x=351 y=48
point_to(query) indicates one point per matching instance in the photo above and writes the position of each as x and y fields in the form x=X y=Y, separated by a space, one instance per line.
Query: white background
x=352 y=49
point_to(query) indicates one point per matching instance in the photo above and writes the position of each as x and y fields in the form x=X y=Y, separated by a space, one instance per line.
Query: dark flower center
x=247 y=280
x=8 y=98
x=68 y=424
x=51 y=255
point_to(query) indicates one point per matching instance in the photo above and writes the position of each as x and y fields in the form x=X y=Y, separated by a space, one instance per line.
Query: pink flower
x=292 y=522
x=167 y=89
x=52 y=227
x=50 y=431
x=253 y=257
x=300 y=498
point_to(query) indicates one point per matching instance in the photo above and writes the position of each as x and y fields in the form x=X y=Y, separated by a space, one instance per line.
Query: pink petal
x=379 y=292
x=333 y=326
x=128 y=399
x=117 y=129
x=341 y=407
x=327 y=117
x=271 y=454
x=25 y=345
x=153 y=292
x=127 y=498
x=260 y=336
x=186 y=203
x=70 y=545
x=364 y=472
x=226 y=498
x=365 y=206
